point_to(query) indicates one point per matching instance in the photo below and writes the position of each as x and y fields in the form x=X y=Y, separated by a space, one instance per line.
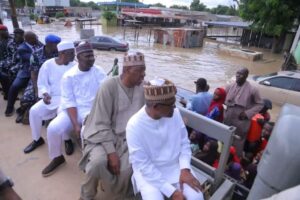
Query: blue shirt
x=200 y=102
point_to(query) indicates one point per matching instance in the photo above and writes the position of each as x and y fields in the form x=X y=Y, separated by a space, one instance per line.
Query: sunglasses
x=173 y=105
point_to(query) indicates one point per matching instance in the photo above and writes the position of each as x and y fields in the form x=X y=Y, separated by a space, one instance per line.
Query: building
x=4 y=8
x=172 y=17
x=179 y=37
x=47 y=3
x=122 y=4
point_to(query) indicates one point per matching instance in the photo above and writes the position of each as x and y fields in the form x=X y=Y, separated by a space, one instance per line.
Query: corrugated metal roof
x=152 y=15
x=229 y=24
x=115 y=3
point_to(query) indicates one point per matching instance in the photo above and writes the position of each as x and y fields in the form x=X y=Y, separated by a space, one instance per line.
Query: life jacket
x=255 y=129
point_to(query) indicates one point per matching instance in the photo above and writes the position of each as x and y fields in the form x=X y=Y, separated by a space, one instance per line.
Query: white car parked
x=280 y=87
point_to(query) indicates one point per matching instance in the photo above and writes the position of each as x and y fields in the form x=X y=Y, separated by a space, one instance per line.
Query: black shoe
x=69 y=148
x=9 y=112
x=33 y=145
x=53 y=166
x=19 y=118
x=20 y=110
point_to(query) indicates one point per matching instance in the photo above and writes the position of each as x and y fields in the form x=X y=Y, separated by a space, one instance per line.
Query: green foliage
x=21 y=3
x=224 y=10
x=33 y=16
x=179 y=7
x=75 y=3
x=59 y=15
x=197 y=6
x=108 y=8
x=130 y=1
x=78 y=3
x=109 y=15
x=158 y=5
x=273 y=17
x=93 y=5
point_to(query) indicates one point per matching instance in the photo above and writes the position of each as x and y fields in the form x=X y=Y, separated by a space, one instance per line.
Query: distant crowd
x=132 y=136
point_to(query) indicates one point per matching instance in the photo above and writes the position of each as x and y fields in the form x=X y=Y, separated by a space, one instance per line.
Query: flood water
x=179 y=65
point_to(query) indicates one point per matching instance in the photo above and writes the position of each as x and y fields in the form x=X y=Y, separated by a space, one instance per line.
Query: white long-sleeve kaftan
x=158 y=150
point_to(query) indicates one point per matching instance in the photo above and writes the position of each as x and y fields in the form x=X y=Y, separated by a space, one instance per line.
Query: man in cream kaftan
x=105 y=153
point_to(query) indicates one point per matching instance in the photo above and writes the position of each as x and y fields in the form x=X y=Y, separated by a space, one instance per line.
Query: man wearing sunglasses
x=159 y=149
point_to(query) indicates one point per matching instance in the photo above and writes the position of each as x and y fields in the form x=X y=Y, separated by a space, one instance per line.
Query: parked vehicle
x=280 y=87
x=108 y=43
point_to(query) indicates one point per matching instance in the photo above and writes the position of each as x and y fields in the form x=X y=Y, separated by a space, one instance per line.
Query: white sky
x=168 y=3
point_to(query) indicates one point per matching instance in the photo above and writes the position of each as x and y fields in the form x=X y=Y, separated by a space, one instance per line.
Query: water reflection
x=182 y=66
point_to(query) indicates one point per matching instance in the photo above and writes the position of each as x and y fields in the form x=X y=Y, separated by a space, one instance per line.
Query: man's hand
x=243 y=116
x=187 y=177
x=183 y=102
x=177 y=195
x=113 y=163
x=46 y=98
x=77 y=130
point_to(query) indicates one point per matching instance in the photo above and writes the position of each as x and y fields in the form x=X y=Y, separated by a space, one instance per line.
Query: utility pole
x=13 y=14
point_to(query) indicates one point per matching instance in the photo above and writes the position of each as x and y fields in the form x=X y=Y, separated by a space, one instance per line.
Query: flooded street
x=182 y=66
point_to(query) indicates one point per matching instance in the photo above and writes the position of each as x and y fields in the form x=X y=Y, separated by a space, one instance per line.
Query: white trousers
x=149 y=192
x=39 y=112
x=58 y=130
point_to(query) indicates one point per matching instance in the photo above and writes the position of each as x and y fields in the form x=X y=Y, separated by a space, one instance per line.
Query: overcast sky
x=208 y=3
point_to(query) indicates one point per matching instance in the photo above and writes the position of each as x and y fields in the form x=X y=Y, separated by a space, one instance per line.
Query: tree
x=109 y=15
x=130 y=1
x=272 y=17
x=224 y=10
x=21 y=3
x=179 y=7
x=197 y=6
x=158 y=5
x=93 y=5
x=75 y=3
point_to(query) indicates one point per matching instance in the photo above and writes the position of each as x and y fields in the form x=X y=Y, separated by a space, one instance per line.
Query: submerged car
x=108 y=43
x=280 y=87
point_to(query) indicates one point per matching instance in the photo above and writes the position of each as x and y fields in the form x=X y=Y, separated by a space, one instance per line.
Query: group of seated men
x=133 y=137
x=72 y=93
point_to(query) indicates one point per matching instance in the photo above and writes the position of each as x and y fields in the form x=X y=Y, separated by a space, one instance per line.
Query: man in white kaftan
x=159 y=149
x=78 y=91
x=49 y=83
x=105 y=153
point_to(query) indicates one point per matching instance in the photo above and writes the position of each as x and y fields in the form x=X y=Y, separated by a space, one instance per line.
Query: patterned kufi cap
x=159 y=90
x=83 y=47
x=135 y=59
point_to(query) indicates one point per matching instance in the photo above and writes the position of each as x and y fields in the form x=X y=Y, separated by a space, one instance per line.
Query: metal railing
x=214 y=129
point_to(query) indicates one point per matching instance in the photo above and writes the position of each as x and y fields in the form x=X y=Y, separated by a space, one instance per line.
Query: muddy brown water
x=180 y=65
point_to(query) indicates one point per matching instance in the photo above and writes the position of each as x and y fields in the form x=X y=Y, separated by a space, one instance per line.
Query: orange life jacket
x=255 y=128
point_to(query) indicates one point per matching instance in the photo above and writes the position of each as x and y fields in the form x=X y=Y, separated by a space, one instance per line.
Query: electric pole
x=13 y=14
